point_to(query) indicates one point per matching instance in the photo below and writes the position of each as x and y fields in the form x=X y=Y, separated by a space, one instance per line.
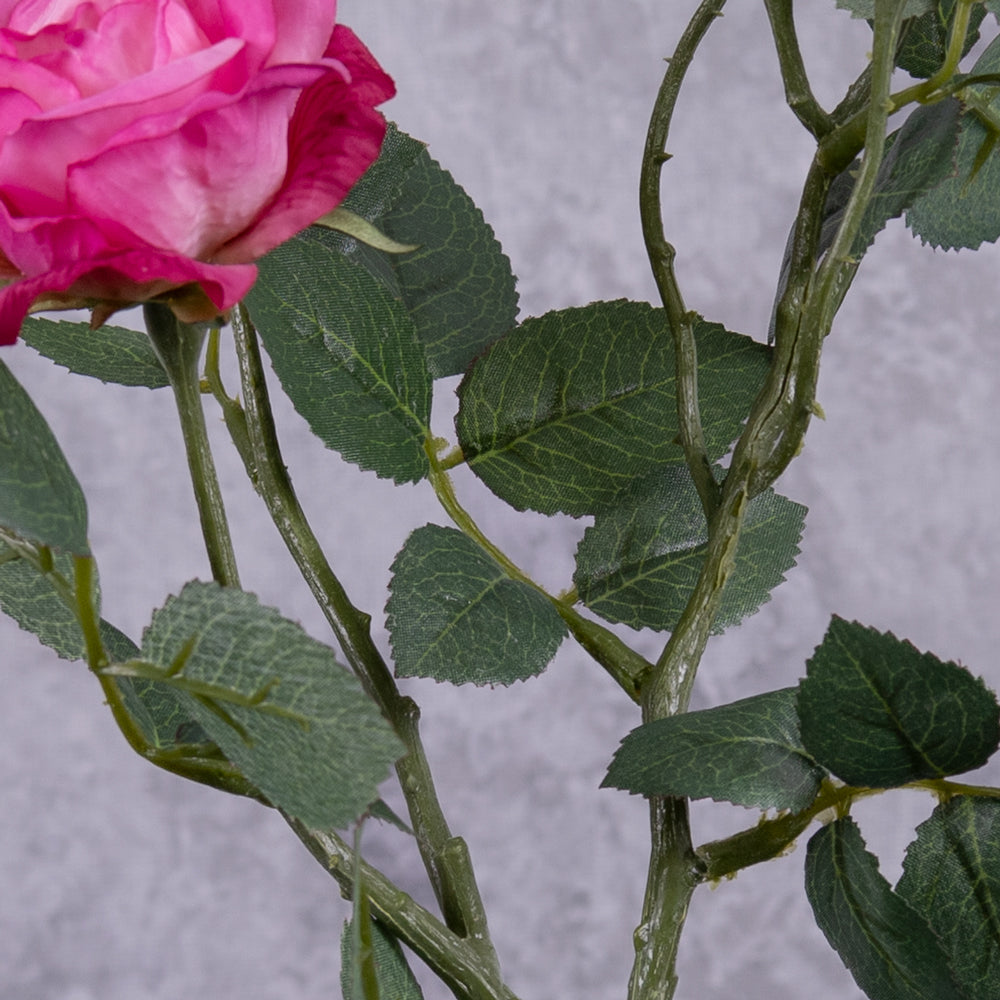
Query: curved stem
x=661 y=254
x=445 y=856
x=622 y=662
x=178 y=346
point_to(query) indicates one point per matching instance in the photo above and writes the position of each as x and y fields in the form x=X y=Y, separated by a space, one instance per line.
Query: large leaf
x=748 y=752
x=866 y=8
x=640 y=561
x=876 y=711
x=951 y=875
x=294 y=722
x=458 y=285
x=571 y=409
x=347 y=353
x=393 y=974
x=455 y=615
x=887 y=946
x=964 y=209
x=110 y=353
x=40 y=498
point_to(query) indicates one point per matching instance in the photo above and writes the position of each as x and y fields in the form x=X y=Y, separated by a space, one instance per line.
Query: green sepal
x=951 y=876
x=113 y=354
x=748 y=752
x=347 y=354
x=40 y=498
x=887 y=945
x=877 y=712
x=283 y=711
x=457 y=283
x=571 y=409
x=641 y=559
x=454 y=614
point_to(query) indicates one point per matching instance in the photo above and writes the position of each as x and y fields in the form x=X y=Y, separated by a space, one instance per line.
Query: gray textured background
x=119 y=882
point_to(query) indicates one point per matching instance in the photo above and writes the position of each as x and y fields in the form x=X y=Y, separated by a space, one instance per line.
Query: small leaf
x=457 y=285
x=866 y=8
x=877 y=712
x=640 y=561
x=395 y=978
x=110 y=353
x=963 y=210
x=924 y=40
x=571 y=409
x=951 y=876
x=455 y=615
x=346 y=353
x=40 y=499
x=887 y=946
x=294 y=722
x=748 y=752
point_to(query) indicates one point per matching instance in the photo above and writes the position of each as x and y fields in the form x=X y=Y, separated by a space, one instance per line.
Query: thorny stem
x=772 y=437
x=445 y=856
x=178 y=346
x=454 y=959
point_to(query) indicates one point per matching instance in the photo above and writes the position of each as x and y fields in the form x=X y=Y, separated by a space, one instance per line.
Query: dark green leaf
x=887 y=946
x=640 y=561
x=571 y=409
x=40 y=499
x=951 y=876
x=866 y=8
x=964 y=209
x=395 y=978
x=748 y=752
x=455 y=615
x=276 y=702
x=458 y=286
x=110 y=353
x=347 y=355
x=924 y=39
x=876 y=711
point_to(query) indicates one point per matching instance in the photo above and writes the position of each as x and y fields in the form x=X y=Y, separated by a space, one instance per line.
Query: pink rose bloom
x=155 y=148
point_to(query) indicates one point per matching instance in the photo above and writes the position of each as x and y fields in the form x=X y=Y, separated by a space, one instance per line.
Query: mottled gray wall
x=119 y=882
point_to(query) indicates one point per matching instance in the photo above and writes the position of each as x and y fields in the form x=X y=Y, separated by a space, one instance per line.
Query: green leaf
x=924 y=40
x=347 y=355
x=571 y=409
x=640 y=561
x=294 y=722
x=109 y=353
x=458 y=286
x=866 y=8
x=887 y=946
x=951 y=876
x=395 y=978
x=748 y=752
x=963 y=210
x=38 y=603
x=455 y=615
x=877 y=712
x=40 y=499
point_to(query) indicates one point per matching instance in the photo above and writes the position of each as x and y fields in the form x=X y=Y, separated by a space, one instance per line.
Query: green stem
x=453 y=958
x=624 y=665
x=445 y=856
x=798 y=92
x=178 y=346
x=661 y=254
